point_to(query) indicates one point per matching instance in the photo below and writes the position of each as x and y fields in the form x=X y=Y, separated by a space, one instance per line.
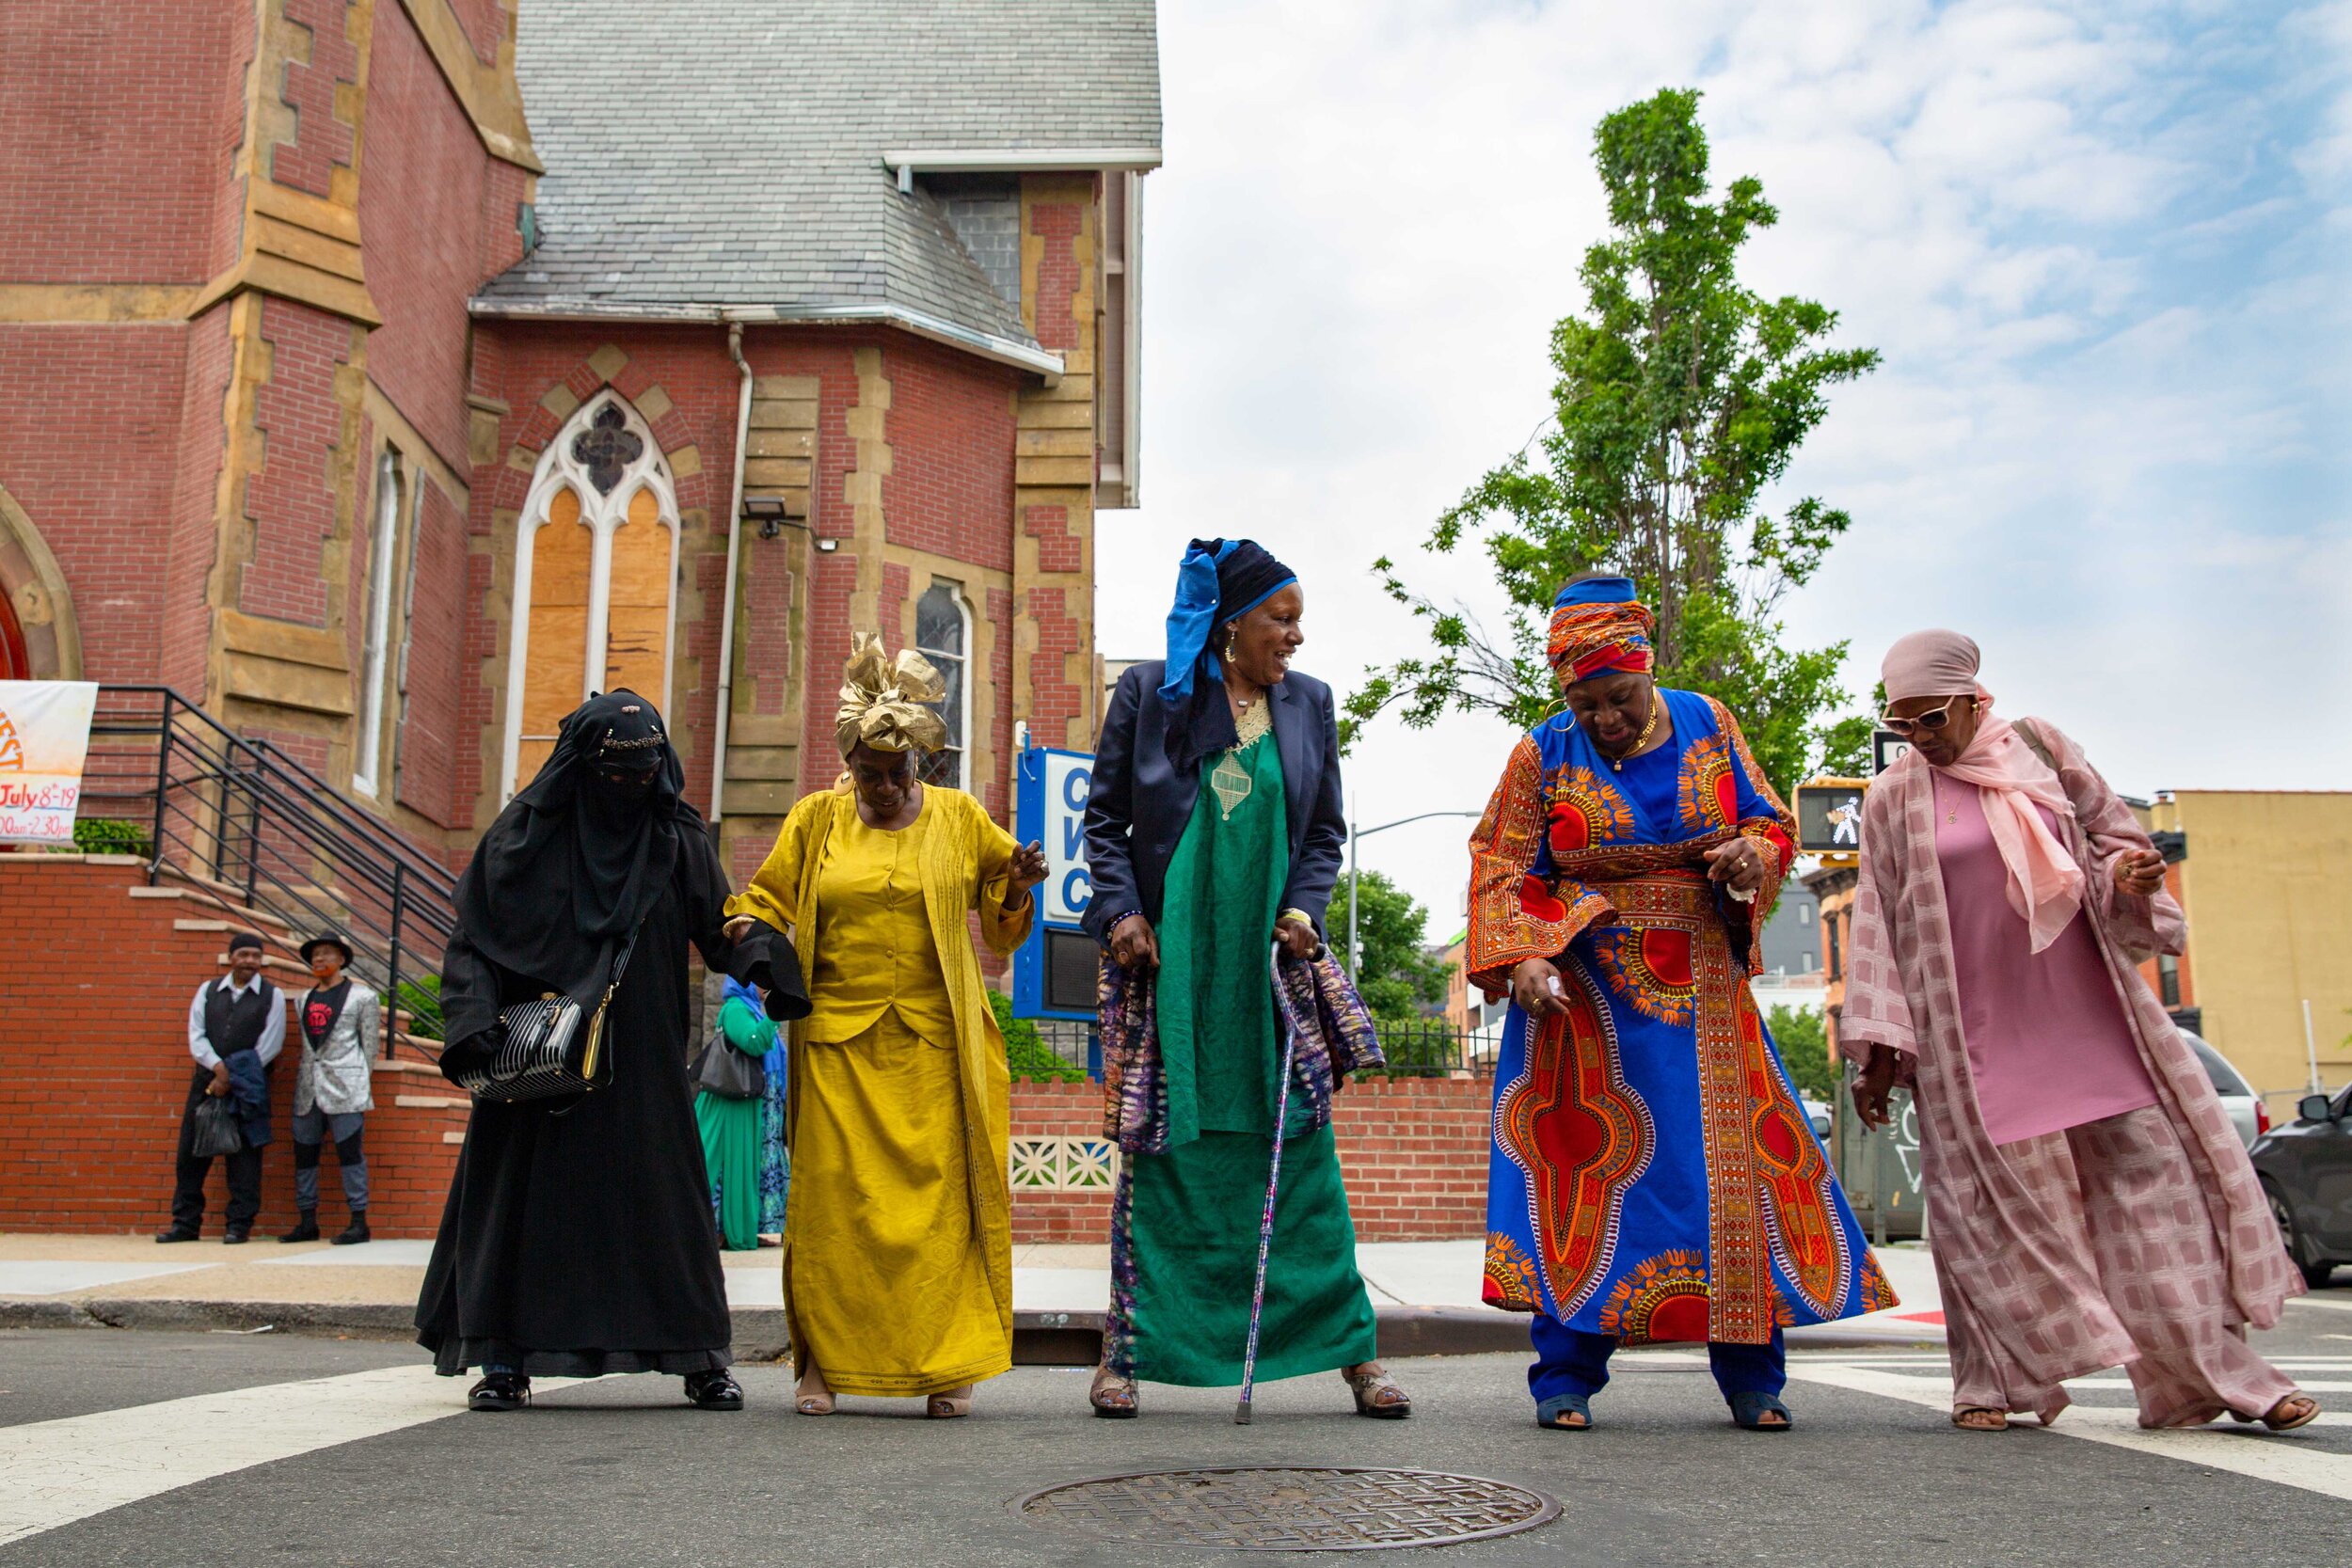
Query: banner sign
x=44 y=739
x=1053 y=972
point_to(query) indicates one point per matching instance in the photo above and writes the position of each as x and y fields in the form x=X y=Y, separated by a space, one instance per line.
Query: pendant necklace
x=1641 y=740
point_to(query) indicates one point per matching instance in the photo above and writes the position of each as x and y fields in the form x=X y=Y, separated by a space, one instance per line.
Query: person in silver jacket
x=341 y=1025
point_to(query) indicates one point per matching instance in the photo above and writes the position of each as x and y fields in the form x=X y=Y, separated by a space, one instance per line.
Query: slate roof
x=728 y=153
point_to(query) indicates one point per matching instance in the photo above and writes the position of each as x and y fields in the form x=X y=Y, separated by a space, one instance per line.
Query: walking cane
x=1274 y=1180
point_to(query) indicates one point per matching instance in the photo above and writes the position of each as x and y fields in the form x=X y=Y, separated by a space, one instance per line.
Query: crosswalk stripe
x=53 y=1473
x=2246 y=1452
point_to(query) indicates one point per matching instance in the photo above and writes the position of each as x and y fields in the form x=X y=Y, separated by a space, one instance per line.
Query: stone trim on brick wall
x=36 y=590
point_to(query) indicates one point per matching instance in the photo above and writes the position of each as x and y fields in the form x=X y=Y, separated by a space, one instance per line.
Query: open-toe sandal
x=1998 y=1423
x=1749 y=1410
x=947 y=1407
x=810 y=1396
x=2277 y=1422
x=1547 y=1412
x=1377 y=1394
x=1113 y=1397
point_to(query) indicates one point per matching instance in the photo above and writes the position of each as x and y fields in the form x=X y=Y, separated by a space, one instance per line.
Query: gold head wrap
x=884 y=701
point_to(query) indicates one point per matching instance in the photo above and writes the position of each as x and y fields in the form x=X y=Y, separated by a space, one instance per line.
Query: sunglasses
x=1930 y=721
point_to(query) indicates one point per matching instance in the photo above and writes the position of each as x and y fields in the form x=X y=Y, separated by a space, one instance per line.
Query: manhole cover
x=1251 y=1509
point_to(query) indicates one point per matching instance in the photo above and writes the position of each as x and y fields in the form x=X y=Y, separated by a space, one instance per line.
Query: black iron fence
x=1416 y=1048
x=249 y=827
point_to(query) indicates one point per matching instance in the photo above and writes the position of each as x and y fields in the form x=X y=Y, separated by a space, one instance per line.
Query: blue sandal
x=1750 y=1408
x=1548 y=1412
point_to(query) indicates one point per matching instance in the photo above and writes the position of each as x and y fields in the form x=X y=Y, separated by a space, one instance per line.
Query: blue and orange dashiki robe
x=1652 y=1176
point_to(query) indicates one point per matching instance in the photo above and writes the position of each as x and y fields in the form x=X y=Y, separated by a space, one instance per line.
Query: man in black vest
x=241 y=1012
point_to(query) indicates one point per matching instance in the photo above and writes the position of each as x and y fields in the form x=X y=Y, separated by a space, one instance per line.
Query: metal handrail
x=250 y=825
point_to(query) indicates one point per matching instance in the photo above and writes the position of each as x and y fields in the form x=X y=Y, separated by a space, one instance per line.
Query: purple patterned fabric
x=1336 y=1038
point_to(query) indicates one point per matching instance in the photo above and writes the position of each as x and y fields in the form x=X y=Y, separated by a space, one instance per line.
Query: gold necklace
x=1617 y=764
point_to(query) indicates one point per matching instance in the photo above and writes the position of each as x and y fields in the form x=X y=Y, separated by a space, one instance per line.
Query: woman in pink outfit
x=2090 y=1204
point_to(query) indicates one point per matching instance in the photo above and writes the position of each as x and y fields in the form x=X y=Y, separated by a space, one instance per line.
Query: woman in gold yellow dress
x=897 y=1250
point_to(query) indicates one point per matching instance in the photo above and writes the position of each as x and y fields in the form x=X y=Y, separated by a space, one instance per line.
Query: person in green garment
x=1214 y=833
x=730 y=1128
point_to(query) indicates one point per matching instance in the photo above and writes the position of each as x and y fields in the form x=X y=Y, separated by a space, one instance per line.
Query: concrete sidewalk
x=1426 y=1292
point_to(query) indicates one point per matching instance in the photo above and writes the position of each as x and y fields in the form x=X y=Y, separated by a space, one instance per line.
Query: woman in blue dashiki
x=1652 y=1178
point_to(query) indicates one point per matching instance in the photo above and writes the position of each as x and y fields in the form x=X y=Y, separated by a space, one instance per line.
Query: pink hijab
x=2045 y=886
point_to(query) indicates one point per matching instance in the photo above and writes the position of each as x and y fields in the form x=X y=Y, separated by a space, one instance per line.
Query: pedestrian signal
x=1828 y=816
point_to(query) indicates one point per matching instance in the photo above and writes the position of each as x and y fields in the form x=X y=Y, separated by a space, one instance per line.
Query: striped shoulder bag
x=551 y=1046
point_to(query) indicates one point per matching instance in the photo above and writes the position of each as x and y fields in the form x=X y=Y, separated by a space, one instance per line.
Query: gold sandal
x=1960 y=1418
x=812 y=1398
x=947 y=1407
x=2276 y=1423
x=1377 y=1394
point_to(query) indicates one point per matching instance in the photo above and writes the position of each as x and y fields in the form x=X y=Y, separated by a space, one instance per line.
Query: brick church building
x=384 y=375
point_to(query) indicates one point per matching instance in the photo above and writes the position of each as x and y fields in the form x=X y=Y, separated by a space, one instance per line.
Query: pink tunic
x=2048 y=1044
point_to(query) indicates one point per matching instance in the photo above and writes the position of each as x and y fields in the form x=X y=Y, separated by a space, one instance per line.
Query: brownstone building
x=385 y=375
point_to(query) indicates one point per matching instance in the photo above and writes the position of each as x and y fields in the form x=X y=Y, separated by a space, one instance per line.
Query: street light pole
x=1354 y=834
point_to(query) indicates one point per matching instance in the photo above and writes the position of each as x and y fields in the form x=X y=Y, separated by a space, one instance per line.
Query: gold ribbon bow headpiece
x=885 y=702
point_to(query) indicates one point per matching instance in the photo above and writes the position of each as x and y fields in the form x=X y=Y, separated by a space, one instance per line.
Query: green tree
x=1397 y=975
x=1803 y=1042
x=1679 y=397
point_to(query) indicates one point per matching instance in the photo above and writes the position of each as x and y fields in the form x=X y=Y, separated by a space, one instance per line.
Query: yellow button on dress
x=889 y=1285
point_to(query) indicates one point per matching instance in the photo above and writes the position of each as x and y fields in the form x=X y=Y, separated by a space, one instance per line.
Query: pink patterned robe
x=2179 y=1252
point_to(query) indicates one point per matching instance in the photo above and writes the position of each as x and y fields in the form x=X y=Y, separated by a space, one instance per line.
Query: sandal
x=1547 y=1412
x=1998 y=1423
x=811 y=1397
x=1749 y=1408
x=1377 y=1393
x=2277 y=1422
x=947 y=1407
x=1113 y=1397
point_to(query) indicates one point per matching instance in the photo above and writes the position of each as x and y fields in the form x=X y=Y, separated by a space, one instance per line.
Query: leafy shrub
x=1803 y=1042
x=420 y=999
x=106 y=835
x=1028 y=1057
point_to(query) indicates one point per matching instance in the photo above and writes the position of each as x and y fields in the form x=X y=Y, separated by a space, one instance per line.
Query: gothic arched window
x=595 y=557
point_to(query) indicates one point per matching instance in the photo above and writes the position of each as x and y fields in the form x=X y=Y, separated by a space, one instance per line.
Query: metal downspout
x=735 y=543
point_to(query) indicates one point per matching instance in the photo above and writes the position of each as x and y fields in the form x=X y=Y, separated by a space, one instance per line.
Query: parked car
x=2247 y=1111
x=2306 y=1171
x=1817 y=1115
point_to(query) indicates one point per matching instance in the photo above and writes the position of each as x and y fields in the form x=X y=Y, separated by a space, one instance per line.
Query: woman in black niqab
x=578 y=1238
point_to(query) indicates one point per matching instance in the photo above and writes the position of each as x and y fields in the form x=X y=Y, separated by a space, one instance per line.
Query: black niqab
x=573 y=863
x=1202 y=725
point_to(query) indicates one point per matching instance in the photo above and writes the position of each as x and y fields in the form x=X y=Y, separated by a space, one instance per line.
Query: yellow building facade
x=2265 y=877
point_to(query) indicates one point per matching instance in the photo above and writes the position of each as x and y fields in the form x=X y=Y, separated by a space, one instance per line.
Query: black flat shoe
x=305 y=1229
x=714 y=1390
x=354 y=1233
x=238 y=1237
x=500 y=1392
x=175 y=1234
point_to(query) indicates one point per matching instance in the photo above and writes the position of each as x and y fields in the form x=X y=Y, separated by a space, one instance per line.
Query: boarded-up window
x=595 y=565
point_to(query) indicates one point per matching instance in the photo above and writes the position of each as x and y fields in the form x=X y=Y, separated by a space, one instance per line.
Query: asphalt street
x=340 y=1452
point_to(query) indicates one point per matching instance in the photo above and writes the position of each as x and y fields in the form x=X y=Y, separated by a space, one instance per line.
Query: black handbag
x=550 y=1048
x=216 y=1130
x=722 y=1070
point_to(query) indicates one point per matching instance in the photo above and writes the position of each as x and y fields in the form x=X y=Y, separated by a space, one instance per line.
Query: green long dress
x=1193 y=1213
x=730 y=1130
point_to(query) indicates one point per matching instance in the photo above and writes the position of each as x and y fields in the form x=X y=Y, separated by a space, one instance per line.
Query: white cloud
x=2101 y=253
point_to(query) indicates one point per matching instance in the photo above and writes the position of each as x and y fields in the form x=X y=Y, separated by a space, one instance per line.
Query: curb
x=1038 y=1338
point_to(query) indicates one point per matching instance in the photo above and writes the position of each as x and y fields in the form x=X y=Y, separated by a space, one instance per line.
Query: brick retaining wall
x=97 y=970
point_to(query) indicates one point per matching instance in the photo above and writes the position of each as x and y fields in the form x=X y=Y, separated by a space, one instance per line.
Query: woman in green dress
x=1213 y=833
x=731 y=1128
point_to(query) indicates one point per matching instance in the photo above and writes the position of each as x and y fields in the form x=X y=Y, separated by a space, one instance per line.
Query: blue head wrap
x=1218 y=579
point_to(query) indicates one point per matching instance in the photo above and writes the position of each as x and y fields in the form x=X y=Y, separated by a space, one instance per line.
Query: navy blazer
x=1139 y=805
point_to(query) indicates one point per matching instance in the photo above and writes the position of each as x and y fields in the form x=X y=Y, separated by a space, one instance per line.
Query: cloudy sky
x=2102 y=249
